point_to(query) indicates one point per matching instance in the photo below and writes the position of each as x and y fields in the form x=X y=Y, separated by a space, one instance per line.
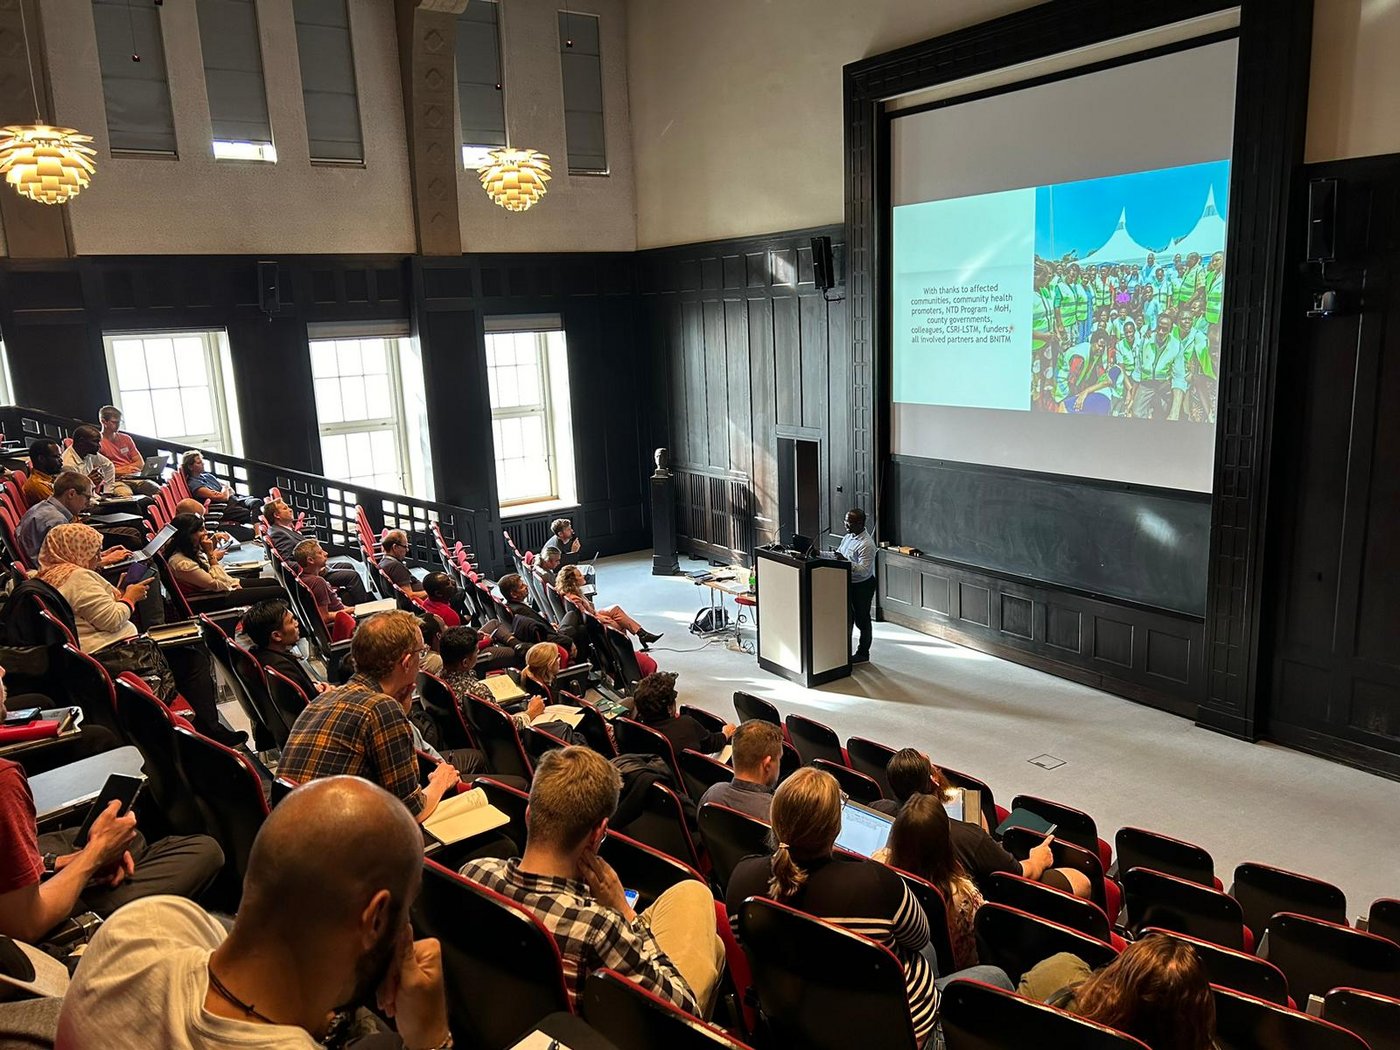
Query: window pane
x=372 y=353
x=328 y=408
x=160 y=362
x=347 y=355
x=136 y=412
x=358 y=451
x=333 y=459
x=131 y=364
x=322 y=358
x=199 y=414
x=190 y=361
x=378 y=402
x=169 y=413
x=352 y=393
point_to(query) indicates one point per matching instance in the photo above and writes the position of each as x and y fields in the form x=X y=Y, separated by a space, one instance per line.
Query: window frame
x=544 y=409
x=343 y=162
x=470 y=164
x=606 y=169
x=216 y=354
x=396 y=423
x=135 y=151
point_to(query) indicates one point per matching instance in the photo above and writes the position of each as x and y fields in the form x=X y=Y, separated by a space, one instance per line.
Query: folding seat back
x=280 y=788
x=729 y=837
x=1020 y=841
x=661 y=824
x=747 y=706
x=441 y=704
x=701 y=772
x=288 y=699
x=216 y=640
x=91 y=687
x=976 y=1016
x=512 y=802
x=1236 y=970
x=501 y=966
x=1375 y=1018
x=859 y=787
x=230 y=797
x=1317 y=956
x=790 y=763
x=1243 y=1022
x=1155 y=899
x=250 y=675
x=1073 y=825
x=872 y=759
x=1047 y=902
x=499 y=740
x=1137 y=848
x=814 y=740
x=630 y=1017
x=821 y=987
x=634 y=738
x=1263 y=891
x=712 y=722
x=149 y=725
x=1384 y=919
x=1016 y=940
x=642 y=868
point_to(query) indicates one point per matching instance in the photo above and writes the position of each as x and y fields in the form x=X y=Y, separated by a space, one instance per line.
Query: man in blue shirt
x=859 y=549
x=72 y=492
x=758 y=759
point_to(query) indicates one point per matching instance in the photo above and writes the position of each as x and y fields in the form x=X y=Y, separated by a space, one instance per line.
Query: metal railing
x=714 y=513
x=329 y=505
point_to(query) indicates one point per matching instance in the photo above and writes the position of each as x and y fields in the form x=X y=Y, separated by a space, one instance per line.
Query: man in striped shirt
x=670 y=949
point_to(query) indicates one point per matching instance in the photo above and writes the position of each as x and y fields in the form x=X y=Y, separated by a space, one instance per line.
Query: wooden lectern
x=804 y=625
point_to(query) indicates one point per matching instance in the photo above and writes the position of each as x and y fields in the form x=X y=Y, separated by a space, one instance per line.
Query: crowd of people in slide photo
x=1138 y=339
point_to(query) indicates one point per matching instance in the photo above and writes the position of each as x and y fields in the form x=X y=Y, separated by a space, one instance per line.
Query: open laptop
x=146 y=553
x=152 y=469
x=863 y=830
x=801 y=544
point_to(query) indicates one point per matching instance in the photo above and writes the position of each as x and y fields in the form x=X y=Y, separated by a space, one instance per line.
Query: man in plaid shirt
x=362 y=728
x=670 y=949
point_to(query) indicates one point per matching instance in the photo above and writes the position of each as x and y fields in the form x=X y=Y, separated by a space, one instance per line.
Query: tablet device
x=1024 y=818
x=863 y=830
x=22 y=717
x=119 y=786
x=135 y=573
x=955 y=803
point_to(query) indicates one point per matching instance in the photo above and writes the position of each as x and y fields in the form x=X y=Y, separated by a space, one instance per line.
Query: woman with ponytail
x=861 y=895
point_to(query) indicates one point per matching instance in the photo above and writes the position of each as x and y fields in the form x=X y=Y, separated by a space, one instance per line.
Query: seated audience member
x=911 y=773
x=562 y=540
x=45 y=463
x=362 y=727
x=102 y=615
x=324 y=922
x=235 y=510
x=310 y=558
x=342 y=573
x=459 y=649
x=392 y=562
x=541 y=672
x=1156 y=991
x=921 y=845
x=758 y=759
x=671 y=949
x=432 y=627
x=194 y=562
x=84 y=456
x=44 y=880
x=859 y=894
x=441 y=593
x=656 y=706
x=528 y=624
x=274 y=632
x=569 y=583
x=72 y=492
x=126 y=458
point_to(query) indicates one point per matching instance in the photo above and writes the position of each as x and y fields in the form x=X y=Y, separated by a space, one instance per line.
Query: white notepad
x=503 y=688
x=370 y=608
x=562 y=713
x=462 y=816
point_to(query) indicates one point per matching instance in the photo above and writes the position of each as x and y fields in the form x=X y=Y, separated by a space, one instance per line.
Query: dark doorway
x=799 y=488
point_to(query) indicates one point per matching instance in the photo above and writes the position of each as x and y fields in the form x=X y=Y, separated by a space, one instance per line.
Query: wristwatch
x=50 y=863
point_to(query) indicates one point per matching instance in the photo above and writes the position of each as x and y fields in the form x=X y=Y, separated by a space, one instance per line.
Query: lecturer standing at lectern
x=859 y=549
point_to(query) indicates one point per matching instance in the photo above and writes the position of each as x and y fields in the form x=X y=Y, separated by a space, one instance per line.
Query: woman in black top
x=655 y=703
x=860 y=895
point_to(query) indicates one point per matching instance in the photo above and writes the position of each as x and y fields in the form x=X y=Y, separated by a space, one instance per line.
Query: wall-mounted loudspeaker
x=823 y=269
x=269 y=289
x=1322 y=220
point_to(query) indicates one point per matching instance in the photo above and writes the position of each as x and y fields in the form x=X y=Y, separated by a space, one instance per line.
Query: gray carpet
x=1125 y=764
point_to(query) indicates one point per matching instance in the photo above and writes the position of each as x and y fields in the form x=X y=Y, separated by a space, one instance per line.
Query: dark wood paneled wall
x=747 y=349
x=1335 y=532
x=53 y=315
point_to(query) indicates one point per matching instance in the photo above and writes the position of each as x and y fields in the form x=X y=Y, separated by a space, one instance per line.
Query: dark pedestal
x=663 y=524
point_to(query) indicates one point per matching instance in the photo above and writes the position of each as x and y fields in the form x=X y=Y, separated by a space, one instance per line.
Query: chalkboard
x=1144 y=545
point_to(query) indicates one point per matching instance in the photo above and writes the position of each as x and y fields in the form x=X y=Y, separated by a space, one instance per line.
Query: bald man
x=323 y=925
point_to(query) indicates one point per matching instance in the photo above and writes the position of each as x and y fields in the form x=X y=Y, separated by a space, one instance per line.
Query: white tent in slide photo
x=1208 y=235
x=1120 y=247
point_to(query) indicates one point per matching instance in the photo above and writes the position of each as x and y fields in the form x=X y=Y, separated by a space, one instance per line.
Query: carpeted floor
x=1125 y=764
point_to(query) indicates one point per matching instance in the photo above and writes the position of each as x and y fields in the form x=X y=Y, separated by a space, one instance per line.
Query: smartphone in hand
x=120 y=787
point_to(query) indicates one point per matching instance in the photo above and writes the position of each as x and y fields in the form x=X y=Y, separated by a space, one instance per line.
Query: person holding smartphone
x=44 y=879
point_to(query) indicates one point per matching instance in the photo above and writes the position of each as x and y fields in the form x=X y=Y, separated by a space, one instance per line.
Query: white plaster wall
x=196 y=204
x=736 y=104
x=580 y=213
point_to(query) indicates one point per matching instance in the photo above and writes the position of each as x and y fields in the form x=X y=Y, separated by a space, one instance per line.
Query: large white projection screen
x=1030 y=329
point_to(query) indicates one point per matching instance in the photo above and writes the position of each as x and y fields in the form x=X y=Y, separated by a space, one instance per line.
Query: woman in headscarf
x=102 y=614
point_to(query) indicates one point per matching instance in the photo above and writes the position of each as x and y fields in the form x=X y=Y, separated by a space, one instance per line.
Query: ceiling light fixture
x=48 y=164
x=515 y=178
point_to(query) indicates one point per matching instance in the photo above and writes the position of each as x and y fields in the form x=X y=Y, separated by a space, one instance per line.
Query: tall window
x=480 y=89
x=176 y=385
x=370 y=408
x=527 y=371
x=328 y=92
x=580 y=57
x=233 y=78
x=131 y=55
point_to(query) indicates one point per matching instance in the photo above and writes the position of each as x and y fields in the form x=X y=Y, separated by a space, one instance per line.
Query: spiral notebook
x=462 y=816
